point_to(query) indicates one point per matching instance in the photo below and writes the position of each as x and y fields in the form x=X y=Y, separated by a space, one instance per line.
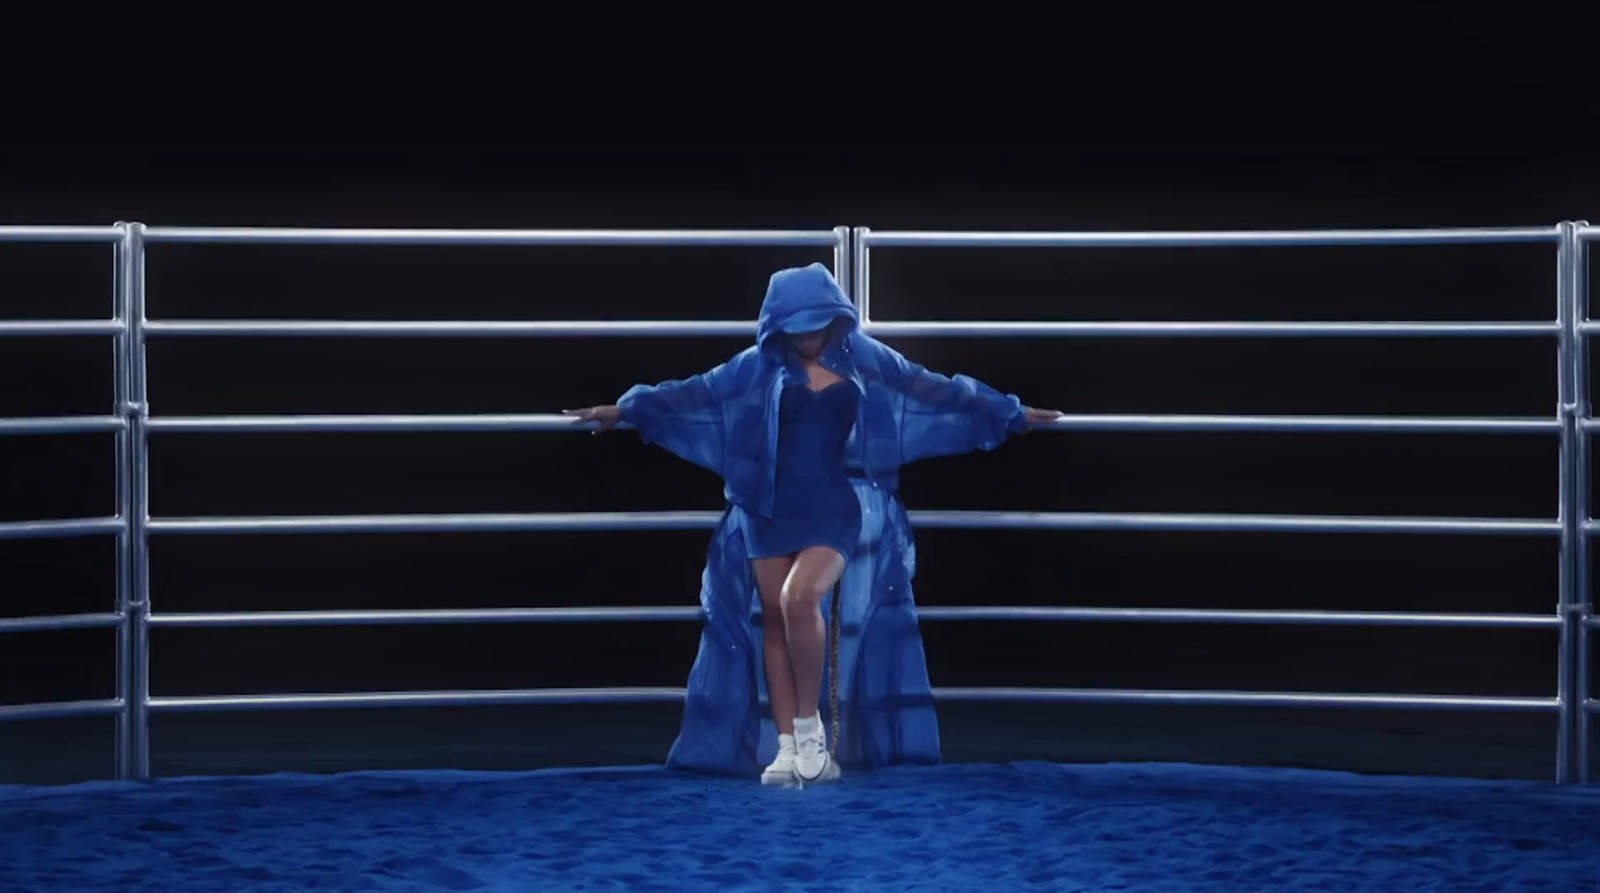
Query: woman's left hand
x=1033 y=416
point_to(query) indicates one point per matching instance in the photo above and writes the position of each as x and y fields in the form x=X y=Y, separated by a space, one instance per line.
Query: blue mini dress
x=814 y=503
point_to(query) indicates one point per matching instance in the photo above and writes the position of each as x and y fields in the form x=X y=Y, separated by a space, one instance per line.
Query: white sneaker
x=781 y=772
x=812 y=764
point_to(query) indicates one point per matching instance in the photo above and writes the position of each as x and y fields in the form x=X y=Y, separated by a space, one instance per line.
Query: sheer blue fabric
x=726 y=420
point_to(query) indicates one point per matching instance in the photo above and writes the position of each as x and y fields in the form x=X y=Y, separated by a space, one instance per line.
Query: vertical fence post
x=861 y=290
x=1571 y=525
x=843 y=267
x=121 y=367
x=1581 y=609
x=136 y=411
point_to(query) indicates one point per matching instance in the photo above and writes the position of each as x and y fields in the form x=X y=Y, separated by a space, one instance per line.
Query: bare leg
x=770 y=574
x=815 y=571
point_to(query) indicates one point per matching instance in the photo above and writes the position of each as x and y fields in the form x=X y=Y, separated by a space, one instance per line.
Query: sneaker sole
x=829 y=773
x=779 y=779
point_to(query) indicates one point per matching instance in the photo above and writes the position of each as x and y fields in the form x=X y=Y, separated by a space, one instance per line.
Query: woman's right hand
x=607 y=416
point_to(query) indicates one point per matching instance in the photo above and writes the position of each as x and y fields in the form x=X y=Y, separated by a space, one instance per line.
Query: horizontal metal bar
x=448 y=328
x=419 y=699
x=18 y=712
x=32 y=328
x=1592 y=622
x=551 y=521
x=1184 y=329
x=576 y=521
x=61 y=425
x=29 y=530
x=556 y=422
x=1588 y=233
x=1241 y=698
x=1185 y=615
x=722 y=328
x=676 y=695
x=61 y=621
x=686 y=613
x=472 y=615
x=1375 y=424
x=1588 y=327
x=1198 y=239
x=1236 y=523
x=299 y=236
x=214 y=424
x=59 y=234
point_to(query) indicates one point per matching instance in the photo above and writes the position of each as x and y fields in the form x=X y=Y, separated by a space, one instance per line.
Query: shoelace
x=812 y=747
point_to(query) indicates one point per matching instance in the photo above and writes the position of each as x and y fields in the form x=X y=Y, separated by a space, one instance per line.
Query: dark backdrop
x=1351 y=157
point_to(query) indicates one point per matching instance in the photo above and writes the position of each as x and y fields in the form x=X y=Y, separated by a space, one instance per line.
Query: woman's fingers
x=1031 y=416
x=585 y=415
x=606 y=419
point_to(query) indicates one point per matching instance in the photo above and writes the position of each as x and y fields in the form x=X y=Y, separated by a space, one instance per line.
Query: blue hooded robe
x=726 y=420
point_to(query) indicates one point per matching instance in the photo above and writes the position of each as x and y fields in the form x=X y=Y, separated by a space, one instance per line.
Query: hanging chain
x=833 y=669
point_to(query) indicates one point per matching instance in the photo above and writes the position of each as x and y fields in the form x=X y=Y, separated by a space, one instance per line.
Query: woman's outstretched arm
x=684 y=417
x=946 y=415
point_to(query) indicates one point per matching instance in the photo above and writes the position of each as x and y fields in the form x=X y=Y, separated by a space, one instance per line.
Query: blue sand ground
x=1024 y=826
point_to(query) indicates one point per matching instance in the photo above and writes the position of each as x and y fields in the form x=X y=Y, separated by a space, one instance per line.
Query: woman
x=808 y=429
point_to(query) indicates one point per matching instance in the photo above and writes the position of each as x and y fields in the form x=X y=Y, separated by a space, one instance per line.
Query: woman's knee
x=802 y=599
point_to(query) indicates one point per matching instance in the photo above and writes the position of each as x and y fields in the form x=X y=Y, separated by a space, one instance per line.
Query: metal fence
x=132 y=423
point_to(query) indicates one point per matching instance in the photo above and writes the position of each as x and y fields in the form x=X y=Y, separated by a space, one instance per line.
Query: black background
x=1471 y=128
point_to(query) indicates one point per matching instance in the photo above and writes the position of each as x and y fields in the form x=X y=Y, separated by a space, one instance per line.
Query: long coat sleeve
x=684 y=417
x=942 y=415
